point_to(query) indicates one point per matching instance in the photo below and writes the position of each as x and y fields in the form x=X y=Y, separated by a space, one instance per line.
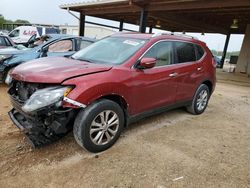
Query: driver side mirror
x=147 y=63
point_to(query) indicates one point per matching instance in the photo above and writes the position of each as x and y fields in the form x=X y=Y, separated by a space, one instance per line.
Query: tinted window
x=185 y=52
x=162 y=52
x=200 y=52
x=40 y=30
x=51 y=31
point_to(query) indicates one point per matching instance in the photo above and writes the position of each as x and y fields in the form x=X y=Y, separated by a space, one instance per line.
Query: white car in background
x=22 y=34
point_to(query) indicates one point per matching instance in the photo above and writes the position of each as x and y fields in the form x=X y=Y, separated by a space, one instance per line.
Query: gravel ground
x=173 y=149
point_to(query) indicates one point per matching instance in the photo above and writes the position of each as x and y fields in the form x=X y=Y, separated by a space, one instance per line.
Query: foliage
x=3 y=21
x=22 y=21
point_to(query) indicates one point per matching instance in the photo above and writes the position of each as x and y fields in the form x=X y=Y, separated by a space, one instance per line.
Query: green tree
x=22 y=21
x=2 y=21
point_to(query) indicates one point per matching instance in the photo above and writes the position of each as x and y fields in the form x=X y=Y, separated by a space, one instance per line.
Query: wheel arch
x=121 y=101
x=209 y=85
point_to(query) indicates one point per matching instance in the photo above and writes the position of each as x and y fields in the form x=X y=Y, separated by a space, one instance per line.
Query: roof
x=64 y=36
x=173 y=15
x=93 y=3
x=133 y=35
x=170 y=36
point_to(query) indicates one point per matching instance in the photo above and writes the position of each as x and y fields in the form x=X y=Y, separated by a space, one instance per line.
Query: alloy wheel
x=202 y=100
x=104 y=127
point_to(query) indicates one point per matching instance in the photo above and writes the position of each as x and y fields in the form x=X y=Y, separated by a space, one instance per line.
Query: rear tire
x=98 y=126
x=200 y=100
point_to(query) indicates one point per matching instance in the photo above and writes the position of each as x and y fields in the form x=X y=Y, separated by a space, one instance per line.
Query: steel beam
x=81 y=24
x=143 y=21
x=225 y=50
x=151 y=29
x=121 y=25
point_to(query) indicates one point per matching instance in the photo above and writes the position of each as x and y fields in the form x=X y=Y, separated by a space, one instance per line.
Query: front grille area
x=21 y=91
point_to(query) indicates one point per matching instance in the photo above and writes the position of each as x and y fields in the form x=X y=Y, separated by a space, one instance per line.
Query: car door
x=63 y=48
x=155 y=87
x=190 y=70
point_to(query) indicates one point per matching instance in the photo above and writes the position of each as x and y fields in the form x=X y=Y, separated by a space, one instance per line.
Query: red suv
x=108 y=85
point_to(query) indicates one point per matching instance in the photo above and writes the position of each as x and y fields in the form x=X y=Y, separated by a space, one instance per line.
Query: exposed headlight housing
x=4 y=57
x=45 y=97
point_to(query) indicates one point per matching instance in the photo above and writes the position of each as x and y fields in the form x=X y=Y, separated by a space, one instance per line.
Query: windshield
x=111 y=50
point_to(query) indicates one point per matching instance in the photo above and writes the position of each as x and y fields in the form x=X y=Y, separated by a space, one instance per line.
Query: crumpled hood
x=12 y=51
x=55 y=70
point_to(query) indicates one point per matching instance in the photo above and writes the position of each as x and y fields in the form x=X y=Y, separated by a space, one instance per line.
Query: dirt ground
x=174 y=149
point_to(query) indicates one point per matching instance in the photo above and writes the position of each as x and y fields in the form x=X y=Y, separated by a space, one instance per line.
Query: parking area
x=172 y=149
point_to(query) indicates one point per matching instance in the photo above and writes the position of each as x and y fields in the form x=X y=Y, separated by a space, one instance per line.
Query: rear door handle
x=174 y=74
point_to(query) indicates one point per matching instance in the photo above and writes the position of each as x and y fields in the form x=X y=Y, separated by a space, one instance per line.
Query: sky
x=48 y=12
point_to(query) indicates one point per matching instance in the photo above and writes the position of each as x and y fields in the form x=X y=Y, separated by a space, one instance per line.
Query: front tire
x=200 y=100
x=98 y=126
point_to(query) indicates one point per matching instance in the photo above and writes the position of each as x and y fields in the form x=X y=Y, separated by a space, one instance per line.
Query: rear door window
x=61 y=46
x=185 y=52
x=162 y=52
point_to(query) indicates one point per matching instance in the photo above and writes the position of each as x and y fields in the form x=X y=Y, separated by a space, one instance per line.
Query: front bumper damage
x=36 y=133
x=44 y=126
x=43 y=129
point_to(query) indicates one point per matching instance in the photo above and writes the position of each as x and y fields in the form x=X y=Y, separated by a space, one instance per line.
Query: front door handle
x=174 y=74
x=199 y=68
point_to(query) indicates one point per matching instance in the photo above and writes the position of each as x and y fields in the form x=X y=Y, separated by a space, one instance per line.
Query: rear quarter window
x=199 y=52
x=185 y=52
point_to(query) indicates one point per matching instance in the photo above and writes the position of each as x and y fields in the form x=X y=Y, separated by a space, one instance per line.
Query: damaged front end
x=38 y=111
